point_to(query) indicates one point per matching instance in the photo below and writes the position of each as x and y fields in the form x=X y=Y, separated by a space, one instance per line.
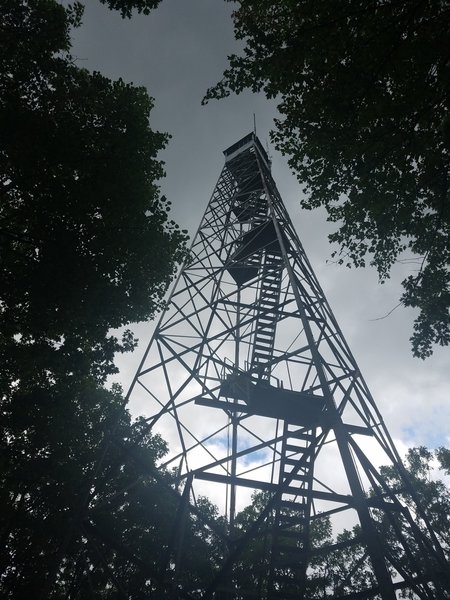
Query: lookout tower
x=250 y=380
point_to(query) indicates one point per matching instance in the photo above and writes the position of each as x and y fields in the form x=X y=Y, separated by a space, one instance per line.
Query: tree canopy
x=85 y=511
x=329 y=570
x=87 y=244
x=126 y=6
x=363 y=92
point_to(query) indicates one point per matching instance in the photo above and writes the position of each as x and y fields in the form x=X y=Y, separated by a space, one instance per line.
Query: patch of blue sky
x=424 y=436
x=224 y=442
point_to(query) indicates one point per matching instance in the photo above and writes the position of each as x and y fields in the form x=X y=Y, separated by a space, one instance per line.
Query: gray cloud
x=177 y=52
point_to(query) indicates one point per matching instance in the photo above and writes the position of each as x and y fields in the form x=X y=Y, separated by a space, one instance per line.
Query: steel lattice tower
x=251 y=381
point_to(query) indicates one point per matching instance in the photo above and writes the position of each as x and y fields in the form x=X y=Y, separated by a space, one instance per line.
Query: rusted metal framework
x=250 y=380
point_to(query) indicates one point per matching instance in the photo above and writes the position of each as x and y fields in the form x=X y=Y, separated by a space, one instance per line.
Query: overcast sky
x=177 y=52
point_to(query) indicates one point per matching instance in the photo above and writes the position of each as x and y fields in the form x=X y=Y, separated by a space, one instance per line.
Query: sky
x=177 y=52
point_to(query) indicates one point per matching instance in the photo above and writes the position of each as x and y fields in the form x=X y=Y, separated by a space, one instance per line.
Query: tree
x=126 y=6
x=433 y=493
x=86 y=241
x=50 y=443
x=364 y=104
x=86 y=513
x=251 y=571
x=86 y=245
x=338 y=568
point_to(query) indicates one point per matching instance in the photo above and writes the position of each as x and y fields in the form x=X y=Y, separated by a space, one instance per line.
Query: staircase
x=290 y=543
x=266 y=322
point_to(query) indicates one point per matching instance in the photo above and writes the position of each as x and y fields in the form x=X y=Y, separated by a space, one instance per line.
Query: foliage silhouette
x=126 y=7
x=86 y=245
x=85 y=511
x=86 y=241
x=364 y=104
x=347 y=570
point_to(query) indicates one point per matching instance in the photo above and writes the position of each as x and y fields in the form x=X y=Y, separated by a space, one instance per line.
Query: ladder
x=266 y=321
x=290 y=541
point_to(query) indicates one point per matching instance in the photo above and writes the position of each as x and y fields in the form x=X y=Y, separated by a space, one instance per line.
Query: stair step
x=292 y=520
x=294 y=461
x=271 y=281
x=264 y=342
x=296 y=449
x=291 y=504
x=259 y=356
x=301 y=435
x=265 y=334
x=297 y=476
x=271 y=284
x=269 y=306
x=263 y=346
x=290 y=534
x=264 y=351
x=294 y=491
x=299 y=505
